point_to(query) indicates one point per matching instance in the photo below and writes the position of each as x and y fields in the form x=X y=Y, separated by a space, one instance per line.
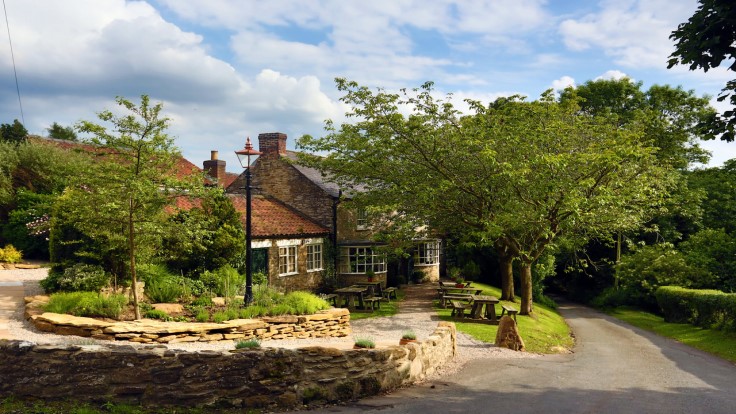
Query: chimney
x=272 y=143
x=215 y=168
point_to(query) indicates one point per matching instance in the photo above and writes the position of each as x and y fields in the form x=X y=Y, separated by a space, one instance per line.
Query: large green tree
x=60 y=132
x=703 y=42
x=119 y=199
x=522 y=173
x=14 y=132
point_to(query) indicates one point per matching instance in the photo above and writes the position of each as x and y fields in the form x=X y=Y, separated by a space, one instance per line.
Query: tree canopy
x=14 y=132
x=60 y=132
x=704 y=42
x=524 y=173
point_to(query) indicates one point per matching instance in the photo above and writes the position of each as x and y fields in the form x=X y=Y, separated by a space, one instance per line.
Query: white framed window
x=361 y=219
x=287 y=260
x=428 y=253
x=361 y=259
x=314 y=257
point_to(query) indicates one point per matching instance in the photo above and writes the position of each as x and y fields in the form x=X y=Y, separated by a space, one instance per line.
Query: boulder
x=508 y=335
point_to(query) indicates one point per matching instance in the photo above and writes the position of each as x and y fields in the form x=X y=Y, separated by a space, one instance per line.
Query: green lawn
x=387 y=308
x=545 y=331
x=718 y=343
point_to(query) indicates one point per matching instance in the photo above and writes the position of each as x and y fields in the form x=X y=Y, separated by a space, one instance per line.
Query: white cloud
x=562 y=83
x=634 y=32
x=612 y=75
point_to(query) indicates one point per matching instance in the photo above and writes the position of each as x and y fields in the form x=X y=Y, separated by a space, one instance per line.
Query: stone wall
x=333 y=322
x=269 y=378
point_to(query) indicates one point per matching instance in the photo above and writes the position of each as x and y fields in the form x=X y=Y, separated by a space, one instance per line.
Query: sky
x=227 y=69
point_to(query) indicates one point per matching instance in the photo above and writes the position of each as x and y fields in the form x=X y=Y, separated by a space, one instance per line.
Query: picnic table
x=479 y=301
x=375 y=287
x=349 y=294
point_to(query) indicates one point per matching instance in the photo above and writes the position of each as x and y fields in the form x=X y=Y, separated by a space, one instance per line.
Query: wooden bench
x=456 y=296
x=374 y=302
x=510 y=310
x=458 y=309
x=389 y=292
x=331 y=298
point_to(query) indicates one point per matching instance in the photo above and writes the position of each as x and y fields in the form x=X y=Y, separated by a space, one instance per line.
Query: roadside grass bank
x=718 y=343
x=544 y=332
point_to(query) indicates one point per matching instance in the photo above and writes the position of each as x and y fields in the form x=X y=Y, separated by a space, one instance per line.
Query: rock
x=508 y=335
x=172 y=309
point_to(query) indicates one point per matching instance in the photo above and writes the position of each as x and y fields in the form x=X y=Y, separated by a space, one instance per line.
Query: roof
x=314 y=175
x=229 y=179
x=182 y=168
x=272 y=218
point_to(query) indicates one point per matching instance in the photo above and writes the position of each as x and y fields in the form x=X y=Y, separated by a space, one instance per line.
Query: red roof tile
x=272 y=218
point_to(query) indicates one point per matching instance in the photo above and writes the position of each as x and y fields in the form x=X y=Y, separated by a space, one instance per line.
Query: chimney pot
x=213 y=155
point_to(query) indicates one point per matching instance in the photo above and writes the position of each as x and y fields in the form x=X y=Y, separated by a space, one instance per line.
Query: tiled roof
x=314 y=175
x=182 y=168
x=271 y=218
x=229 y=179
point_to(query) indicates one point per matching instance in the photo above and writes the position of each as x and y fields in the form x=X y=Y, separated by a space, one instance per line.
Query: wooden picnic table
x=375 y=287
x=452 y=289
x=349 y=294
x=484 y=300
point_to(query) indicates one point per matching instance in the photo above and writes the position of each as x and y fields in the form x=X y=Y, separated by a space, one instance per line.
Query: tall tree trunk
x=526 y=289
x=505 y=264
x=131 y=249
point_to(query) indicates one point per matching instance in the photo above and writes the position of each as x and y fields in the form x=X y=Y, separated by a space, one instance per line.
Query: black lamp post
x=246 y=156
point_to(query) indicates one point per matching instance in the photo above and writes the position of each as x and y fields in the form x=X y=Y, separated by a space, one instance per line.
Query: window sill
x=288 y=274
x=315 y=270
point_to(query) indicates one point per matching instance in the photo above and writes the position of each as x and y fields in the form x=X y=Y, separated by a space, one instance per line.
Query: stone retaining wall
x=269 y=378
x=333 y=322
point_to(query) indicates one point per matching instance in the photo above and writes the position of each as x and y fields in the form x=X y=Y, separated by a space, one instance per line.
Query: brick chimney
x=272 y=143
x=215 y=168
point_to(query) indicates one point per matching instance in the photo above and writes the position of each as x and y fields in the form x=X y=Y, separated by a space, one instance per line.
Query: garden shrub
x=710 y=309
x=162 y=286
x=304 y=303
x=225 y=281
x=10 y=254
x=156 y=314
x=83 y=278
x=87 y=304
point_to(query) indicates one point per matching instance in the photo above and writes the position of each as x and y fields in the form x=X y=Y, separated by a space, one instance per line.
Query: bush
x=710 y=309
x=250 y=343
x=202 y=315
x=10 y=254
x=83 y=278
x=304 y=303
x=87 y=304
x=156 y=314
x=162 y=286
x=225 y=281
x=365 y=343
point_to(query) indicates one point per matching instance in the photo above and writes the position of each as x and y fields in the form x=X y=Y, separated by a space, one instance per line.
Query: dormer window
x=361 y=219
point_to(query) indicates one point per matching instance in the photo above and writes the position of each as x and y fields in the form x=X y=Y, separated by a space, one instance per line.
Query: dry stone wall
x=333 y=322
x=268 y=378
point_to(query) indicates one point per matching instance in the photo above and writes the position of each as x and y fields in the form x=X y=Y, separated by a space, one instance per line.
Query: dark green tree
x=57 y=131
x=14 y=132
x=703 y=42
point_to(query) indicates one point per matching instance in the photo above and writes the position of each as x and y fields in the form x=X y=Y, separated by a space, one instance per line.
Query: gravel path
x=415 y=314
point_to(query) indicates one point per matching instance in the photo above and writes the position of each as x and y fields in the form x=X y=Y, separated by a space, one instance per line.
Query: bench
x=458 y=309
x=374 y=302
x=330 y=297
x=510 y=310
x=388 y=292
x=455 y=296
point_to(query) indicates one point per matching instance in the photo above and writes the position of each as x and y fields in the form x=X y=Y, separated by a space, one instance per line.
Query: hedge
x=710 y=309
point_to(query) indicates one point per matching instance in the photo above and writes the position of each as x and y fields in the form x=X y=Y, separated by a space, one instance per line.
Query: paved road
x=615 y=369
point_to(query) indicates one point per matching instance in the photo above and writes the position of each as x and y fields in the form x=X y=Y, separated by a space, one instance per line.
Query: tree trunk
x=505 y=263
x=131 y=249
x=526 y=289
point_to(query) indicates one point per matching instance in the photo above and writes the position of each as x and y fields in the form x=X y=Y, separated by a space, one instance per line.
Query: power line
x=12 y=56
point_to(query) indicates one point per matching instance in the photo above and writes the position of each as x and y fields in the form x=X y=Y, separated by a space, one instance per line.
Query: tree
x=719 y=204
x=14 y=132
x=704 y=42
x=522 y=173
x=57 y=131
x=119 y=200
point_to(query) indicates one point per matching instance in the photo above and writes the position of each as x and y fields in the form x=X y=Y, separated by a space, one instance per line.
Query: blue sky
x=229 y=69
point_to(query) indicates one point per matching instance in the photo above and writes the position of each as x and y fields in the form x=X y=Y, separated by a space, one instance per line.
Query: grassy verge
x=387 y=308
x=718 y=343
x=545 y=331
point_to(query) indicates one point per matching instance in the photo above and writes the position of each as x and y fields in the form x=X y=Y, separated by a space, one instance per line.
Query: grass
x=721 y=344
x=544 y=332
x=389 y=308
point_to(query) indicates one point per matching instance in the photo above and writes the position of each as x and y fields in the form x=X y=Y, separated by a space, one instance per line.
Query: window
x=428 y=253
x=361 y=219
x=314 y=257
x=287 y=260
x=361 y=259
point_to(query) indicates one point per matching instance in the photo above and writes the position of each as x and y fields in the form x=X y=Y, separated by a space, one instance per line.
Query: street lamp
x=246 y=156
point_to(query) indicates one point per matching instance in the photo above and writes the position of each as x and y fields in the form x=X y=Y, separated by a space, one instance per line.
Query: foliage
x=87 y=304
x=711 y=309
x=202 y=315
x=225 y=281
x=704 y=42
x=10 y=254
x=156 y=314
x=719 y=185
x=711 y=253
x=543 y=268
x=304 y=303
x=15 y=133
x=411 y=335
x=119 y=200
x=166 y=289
x=366 y=342
x=205 y=237
x=648 y=267
x=57 y=131
x=248 y=344
x=78 y=278
x=471 y=270
x=27 y=226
